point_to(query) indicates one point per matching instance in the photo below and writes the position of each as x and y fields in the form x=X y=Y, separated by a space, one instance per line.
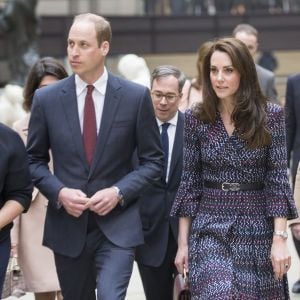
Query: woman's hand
x=280 y=256
x=181 y=259
x=14 y=250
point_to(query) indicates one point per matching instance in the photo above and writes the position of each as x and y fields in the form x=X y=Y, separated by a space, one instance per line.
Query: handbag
x=14 y=282
x=181 y=290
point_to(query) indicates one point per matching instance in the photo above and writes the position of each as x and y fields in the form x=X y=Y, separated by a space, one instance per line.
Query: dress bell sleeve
x=190 y=188
x=280 y=202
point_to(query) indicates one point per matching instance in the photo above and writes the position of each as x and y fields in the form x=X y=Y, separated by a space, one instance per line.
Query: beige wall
x=287 y=65
x=103 y=7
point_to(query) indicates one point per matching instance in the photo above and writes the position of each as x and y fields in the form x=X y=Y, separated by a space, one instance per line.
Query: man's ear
x=104 y=48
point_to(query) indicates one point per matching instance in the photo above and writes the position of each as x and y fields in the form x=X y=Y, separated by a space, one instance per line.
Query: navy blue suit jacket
x=156 y=203
x=292 y=111
x=128 y=122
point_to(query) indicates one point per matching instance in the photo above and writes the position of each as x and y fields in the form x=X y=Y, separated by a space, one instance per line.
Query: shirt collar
x=172 y=121
x=100 y=84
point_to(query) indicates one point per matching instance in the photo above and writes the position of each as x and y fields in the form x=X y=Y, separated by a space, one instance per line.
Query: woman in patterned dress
x=234 y=198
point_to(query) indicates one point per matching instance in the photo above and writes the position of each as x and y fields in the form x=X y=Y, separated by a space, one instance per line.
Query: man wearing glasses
x=156 y=257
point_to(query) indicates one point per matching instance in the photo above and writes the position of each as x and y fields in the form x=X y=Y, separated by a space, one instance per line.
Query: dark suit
x=128 y=122
x=266 y=80
x=156 y=257
x=292 y=112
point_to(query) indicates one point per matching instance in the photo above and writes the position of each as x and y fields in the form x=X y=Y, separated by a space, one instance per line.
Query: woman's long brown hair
x=249 y=114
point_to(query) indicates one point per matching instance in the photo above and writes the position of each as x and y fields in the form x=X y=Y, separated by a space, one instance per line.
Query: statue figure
x=11 y=99
x=134 y=68
x=19 y=23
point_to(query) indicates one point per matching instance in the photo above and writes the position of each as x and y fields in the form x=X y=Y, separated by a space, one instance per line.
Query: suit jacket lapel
x=177 y=147
x=69 y=101
x=111 y=102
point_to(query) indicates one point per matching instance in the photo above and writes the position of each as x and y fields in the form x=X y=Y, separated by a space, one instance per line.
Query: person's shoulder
x=180 y=114
x=294 y=77
x=5 y=130
x=273 y=107
x=274 y=111
x=194 y=124
x=9 y=137
x=64 y=83
x=189 y=113
x=263 y=71
x=119 y=82
x=190 y=116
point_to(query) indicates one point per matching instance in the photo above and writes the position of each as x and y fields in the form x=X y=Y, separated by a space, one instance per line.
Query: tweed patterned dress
x=231 y=232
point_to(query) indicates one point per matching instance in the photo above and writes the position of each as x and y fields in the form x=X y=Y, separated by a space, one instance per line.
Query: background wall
x=162 y=39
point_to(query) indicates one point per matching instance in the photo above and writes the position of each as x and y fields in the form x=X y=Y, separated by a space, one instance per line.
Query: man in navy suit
x=92 y=122
x=292 y=112
x=156 y=257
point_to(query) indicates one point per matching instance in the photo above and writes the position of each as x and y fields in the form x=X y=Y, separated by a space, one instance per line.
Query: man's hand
x=74 y=201
x=104 y=201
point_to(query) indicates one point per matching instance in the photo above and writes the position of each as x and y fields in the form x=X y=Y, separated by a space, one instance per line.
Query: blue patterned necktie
x=165 y=145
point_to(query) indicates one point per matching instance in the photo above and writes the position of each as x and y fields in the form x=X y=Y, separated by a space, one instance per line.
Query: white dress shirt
x=98 y=97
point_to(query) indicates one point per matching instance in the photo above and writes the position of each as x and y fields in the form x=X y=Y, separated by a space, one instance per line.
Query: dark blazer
x=128 y=122
x=156 y=203
x=292 y=111
x=15 y=181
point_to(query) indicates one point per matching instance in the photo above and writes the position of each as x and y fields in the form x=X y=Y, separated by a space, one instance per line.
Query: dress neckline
x=229 y=135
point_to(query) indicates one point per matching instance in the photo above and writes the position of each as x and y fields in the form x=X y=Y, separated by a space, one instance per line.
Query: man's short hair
x=247 y=28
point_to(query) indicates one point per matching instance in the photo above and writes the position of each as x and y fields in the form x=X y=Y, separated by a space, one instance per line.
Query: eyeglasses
x=157 y=96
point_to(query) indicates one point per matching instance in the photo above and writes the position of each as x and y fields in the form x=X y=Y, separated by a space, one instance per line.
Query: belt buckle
x=233 y=187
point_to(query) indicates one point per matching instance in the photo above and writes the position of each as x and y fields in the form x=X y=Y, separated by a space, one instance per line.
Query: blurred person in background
x=295 y=225
x=192 y=90
x=19 y=22
x=249 y=35
x=36 y=261
x=268 y=61
x=292 y=113
x=156 y=256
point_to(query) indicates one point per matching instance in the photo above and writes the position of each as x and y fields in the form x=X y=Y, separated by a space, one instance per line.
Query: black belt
x=233 y=186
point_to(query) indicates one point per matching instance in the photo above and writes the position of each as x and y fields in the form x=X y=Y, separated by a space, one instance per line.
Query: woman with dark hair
x=192 y=90
x=35 y=260
x=46 y=70
x=234 y=198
